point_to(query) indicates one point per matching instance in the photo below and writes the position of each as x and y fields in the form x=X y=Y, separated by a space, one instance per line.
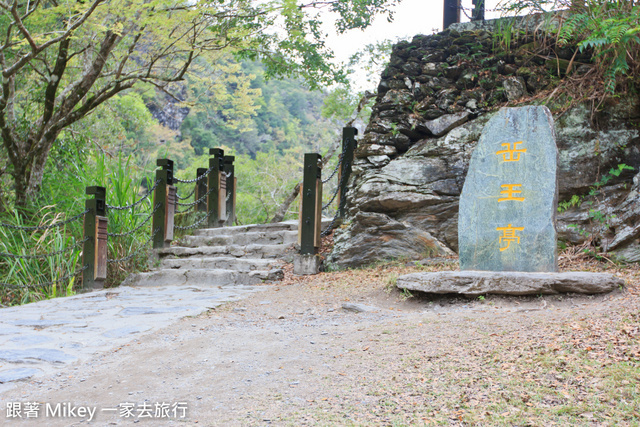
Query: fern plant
x=611 y=30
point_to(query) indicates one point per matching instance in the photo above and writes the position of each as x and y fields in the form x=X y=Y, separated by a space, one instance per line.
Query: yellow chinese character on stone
x=509 y=191
x=511 y=154
x=508 y=235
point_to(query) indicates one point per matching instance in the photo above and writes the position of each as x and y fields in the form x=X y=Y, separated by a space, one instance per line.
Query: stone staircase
x=241 y=255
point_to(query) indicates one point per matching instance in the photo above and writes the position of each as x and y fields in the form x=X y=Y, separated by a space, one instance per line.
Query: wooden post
x=94 y=251
x=230 y=207
x=451 y=13
x=478 y=10
x=216 y=162
x=348 y=147
x=165 y=195
x=309 y=229
x=201 y=190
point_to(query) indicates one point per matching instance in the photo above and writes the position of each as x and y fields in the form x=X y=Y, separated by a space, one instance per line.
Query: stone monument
x=507 y=214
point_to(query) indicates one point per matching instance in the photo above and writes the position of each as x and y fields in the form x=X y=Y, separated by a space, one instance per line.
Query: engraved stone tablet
x=508 y=204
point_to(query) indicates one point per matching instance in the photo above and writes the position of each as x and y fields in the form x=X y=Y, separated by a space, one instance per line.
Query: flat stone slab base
x=508 y=282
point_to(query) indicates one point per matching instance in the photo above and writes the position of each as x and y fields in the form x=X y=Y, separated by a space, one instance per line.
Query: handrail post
x=216 y=163
x=311 y=200
x=165 y=195
x=451 y=13
x=478 y=10
x=94 y=251
x=230 y=193
x=309 y=228
x=349 y=144
x=201 y=190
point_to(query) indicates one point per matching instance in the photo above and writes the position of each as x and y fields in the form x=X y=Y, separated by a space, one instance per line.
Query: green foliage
x=503 y=35
x=611 y=30
x=600 y=221
x=19 y=273
x=575 y=200
x=608 y=28
x=62 y=60
x=364 y=69
x=250 y=114
x=64 y=189
x=266 y=181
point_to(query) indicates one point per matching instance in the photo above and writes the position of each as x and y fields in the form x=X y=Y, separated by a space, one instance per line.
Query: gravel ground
x=347 y=348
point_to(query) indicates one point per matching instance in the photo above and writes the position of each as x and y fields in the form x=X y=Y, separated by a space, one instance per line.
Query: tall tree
x=61 y=59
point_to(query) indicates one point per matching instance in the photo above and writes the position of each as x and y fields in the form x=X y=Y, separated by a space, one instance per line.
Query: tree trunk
x=282 y=209
x=29 y=172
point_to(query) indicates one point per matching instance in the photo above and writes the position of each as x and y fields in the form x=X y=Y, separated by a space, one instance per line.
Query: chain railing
x=47 y=255
x=136 y=203
x=45 y=227
x=22 y=258
x=135 y=252
x=310 y=230
x=186 y=197
x=213 y=193
x=195 y=224
x=139 y=227
x=332 y=224
x=192 y=181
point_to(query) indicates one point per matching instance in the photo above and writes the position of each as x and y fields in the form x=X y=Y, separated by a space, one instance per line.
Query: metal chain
x=335 y=171
x=195 y=224
x=43 y=256
x=46 y=227
x=471 y=9
x=136 y=252
x=189 y=209
x=42 y=285
x=328 y=230
x=186 y=197
x=191 y=181
x=344 y=150
x=134 y=204
x=196 y=202
x=127 y=233
x=335 y=194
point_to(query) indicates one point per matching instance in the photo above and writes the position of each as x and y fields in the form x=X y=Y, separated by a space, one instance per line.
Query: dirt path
x=292 y=355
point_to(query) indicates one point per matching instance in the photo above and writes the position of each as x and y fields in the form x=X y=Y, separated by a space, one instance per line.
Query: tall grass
x=21 y=276
x=125 y=182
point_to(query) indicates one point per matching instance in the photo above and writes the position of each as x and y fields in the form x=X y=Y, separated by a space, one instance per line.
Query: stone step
x=282 y=237
x=200 y=277
x=291 y=225
x=225 y=263
x=249 y=251
x=278 y=226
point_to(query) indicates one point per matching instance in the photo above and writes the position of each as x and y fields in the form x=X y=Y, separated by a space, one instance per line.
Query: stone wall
x=433 y=100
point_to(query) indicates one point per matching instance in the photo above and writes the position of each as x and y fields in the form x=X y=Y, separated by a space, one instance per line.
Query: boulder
x=376 y=236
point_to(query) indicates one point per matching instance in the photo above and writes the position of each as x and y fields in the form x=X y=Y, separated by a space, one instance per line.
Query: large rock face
x=433 y=101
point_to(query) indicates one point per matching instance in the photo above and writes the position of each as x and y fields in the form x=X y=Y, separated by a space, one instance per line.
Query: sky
x=411 y=17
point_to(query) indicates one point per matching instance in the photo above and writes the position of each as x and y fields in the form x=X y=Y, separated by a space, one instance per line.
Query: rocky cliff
x=433 y=100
